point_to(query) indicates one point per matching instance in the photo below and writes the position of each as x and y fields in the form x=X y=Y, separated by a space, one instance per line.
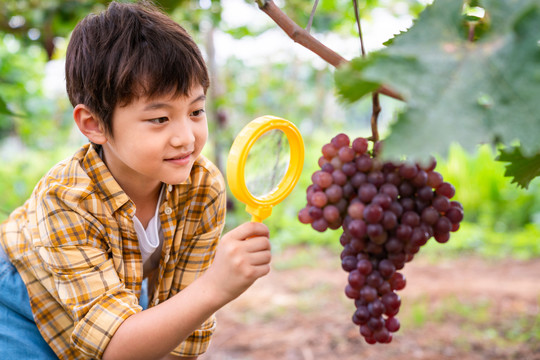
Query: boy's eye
x=160 y=120
x=197 y=113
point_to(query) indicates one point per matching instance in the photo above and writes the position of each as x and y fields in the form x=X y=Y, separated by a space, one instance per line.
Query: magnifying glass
x=264 y=164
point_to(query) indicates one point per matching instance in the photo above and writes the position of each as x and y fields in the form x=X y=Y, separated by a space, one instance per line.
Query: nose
x=182 y=133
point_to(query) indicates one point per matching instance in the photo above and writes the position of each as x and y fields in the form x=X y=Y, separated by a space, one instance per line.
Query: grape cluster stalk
x=387 y=211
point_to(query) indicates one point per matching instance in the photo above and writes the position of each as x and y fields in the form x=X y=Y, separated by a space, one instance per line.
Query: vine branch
x=303 y=37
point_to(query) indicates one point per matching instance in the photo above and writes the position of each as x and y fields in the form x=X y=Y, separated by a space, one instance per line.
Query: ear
x=89 y=124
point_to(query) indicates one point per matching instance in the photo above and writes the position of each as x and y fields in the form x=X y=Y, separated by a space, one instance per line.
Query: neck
x=144 y=192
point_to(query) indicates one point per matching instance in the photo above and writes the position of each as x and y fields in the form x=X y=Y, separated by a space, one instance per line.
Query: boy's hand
x=242 y=256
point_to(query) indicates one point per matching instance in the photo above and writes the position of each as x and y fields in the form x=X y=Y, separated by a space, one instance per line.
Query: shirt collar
x=101 y=177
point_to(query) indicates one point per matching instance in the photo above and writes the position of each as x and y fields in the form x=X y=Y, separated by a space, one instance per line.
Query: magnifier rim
x=241 y=148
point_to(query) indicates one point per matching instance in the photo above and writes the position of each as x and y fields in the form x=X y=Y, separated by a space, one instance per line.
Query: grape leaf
x=457 y=90
x=522 y=168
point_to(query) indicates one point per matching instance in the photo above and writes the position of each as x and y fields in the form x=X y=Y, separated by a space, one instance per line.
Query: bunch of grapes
x=387 y=211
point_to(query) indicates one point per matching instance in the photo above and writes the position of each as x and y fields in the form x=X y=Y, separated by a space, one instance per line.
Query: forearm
x=154 y=333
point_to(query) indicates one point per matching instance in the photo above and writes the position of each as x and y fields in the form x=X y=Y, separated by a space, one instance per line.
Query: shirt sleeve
x=74 y=251
x=197 y=255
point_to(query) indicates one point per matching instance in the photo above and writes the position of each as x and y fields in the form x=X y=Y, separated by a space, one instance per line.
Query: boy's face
x=156 y=140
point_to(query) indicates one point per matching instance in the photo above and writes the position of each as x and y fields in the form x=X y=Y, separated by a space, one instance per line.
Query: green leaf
x=350 y=84
x=522 y=168
x=462 y=91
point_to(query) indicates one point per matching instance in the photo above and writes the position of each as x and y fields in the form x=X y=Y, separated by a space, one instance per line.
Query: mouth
x=180 y=159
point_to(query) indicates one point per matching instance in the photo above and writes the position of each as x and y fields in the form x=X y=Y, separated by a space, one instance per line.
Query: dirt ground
x=466 y=309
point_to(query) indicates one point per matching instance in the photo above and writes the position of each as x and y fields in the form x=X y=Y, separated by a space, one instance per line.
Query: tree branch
x=302 y=37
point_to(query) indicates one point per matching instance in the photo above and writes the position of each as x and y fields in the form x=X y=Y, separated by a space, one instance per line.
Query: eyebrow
x=161 y=105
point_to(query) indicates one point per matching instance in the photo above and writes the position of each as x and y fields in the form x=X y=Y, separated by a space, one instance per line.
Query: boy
x=138 y=202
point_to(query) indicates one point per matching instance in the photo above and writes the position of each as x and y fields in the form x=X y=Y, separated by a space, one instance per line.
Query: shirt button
x=168 y=210
x=166 y=258
x=169 y=188
x=156 y=301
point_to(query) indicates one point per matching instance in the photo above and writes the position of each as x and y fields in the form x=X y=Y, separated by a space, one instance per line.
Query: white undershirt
x=150 y=239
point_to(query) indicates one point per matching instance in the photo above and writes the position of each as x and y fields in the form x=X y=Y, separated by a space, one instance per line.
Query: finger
x=260 y=258
x=254 y=244
x=261 y=270
x=250 y=229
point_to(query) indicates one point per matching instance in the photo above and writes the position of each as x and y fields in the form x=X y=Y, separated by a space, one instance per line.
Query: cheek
x=202 y=134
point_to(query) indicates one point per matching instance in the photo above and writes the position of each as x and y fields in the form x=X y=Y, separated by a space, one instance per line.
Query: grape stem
x=303 y=37
x=376 y=107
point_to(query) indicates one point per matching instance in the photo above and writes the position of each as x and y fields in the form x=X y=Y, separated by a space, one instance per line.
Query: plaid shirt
x=75 y=246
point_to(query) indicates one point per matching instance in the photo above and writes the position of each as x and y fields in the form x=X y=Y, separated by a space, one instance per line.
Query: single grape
x=375 y=323
x=386 y=268
x=441 y=203
x=357 y=244
x=376 y=308
x=420 y=179
x=322 y=179
x=360 y=145
x=392 y=324
x=393 y=245
x=382 y=335
x=329 y=151
x=334 y=193
x=356 y=210
x=320 y=225
x=408 y=171
x=455 y=215
x=434 y=179
x=364 y=266
x=383 y=200
x=430 y=215
x=356 y=279
x=367 y=192
x=389 y=189
x=303 y=216
x=339 y=177
x=346 y=154
x=425 y=193
x=340 y=140
x=331 y=214
x=446 y=189
x=398 y=281
x=357 y=228
x=410 y=218
x=327 y=167
x=358 y=179
x=364 y=163
x=368 y=293
x=351 y=292
x=361 y=315
x=373 y=213
x=315 y=212
x=319 y=199
x=349 y=263
x=376 y=178
x=374 y=279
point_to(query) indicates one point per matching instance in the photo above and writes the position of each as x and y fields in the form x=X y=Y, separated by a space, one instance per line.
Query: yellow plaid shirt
x=75 y=246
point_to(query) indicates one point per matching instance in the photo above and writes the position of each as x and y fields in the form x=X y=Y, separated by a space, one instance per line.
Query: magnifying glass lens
x=267 y=163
